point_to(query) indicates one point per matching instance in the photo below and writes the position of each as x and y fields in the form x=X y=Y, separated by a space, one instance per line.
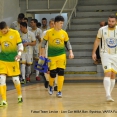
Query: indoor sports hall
x=58 y=58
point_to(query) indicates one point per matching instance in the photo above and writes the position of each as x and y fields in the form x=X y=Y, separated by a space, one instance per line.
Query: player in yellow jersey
x=108 y=34
x=46 y=75
x=57 y=39
x=11 y=49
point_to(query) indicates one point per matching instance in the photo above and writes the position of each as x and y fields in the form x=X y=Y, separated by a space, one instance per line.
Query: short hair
x=52 y=20
x=24 y=24
x=106 y=23
x=34 y=20
x=113 y=16
x=44 y=18
x=21 y=16
x=59 y=18
x=3 y=25
x=26 y=19
x=38 y=24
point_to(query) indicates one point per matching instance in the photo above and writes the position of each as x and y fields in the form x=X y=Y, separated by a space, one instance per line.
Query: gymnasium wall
x=50 y=16
x=11 y=10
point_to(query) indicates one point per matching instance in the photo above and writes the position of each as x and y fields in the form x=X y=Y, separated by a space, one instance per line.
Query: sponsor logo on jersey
x=105 y=67
x=111 y=42
x=11 y=37
x=62 y=36
x=57 y=41
x=6 y=44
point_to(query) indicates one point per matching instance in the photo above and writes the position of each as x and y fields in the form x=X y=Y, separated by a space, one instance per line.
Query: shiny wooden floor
x=79 y=100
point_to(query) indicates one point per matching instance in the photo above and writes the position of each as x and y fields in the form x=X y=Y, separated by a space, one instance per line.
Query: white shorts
x=26 y=58
x=109 y=62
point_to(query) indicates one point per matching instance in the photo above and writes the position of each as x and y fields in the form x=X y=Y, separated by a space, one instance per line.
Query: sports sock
x=107 y=85
x=60 y=82
x=47 y=76
x=18 y=88
x=112 y=84
x=51 y=81
x=28 y=72
x=23 y=72
x=37 y=73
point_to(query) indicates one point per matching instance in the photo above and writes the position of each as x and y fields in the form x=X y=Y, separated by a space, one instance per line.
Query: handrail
x=27 y=5
x=68 y=22
x=27 y=2
x=48 y=7
x=48 y=4
x=1 y=9
x=63 y=6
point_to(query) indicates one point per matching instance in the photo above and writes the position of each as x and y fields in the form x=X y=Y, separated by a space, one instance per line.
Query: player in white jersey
x=16 y=24
x=29 y=40
x=44 y=26
x=38 y=33
x=51 y=25
x=108 y=54
x=26 y=20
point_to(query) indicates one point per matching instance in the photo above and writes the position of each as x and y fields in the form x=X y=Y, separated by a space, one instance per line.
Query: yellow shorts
x=57 y=62
x=9 y=68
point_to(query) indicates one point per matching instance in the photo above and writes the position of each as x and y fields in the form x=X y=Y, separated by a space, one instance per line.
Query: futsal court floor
x=79 y=100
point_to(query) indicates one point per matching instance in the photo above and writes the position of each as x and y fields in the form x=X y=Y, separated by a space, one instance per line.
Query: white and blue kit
x=109 y=48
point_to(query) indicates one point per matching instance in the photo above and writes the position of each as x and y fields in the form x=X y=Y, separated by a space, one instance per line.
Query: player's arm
x=33 y=43
x=19 y=46
x=96 y=44
x=39 y=36
x=69 y=48
x=20 y=50
x=40 y=49
x=68 y=45
x=43 y=44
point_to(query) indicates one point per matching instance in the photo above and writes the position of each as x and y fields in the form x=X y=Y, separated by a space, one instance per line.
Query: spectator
x=44 y=26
